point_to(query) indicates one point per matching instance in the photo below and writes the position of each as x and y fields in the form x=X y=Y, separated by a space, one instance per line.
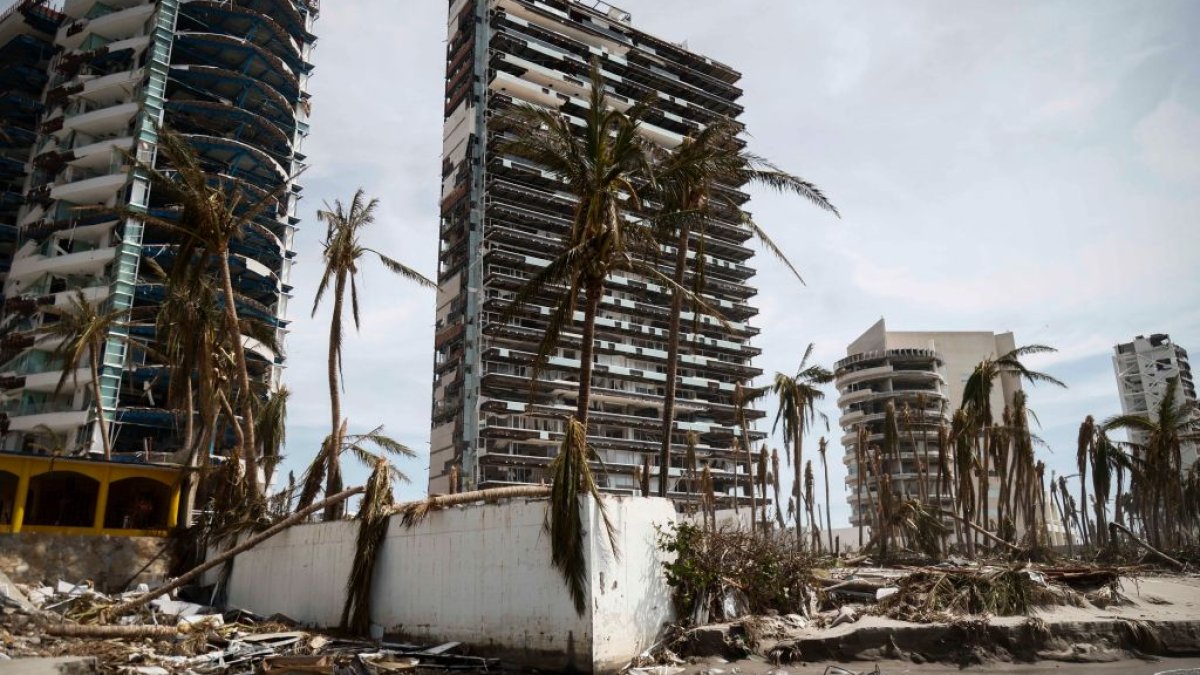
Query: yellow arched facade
x=15 y=496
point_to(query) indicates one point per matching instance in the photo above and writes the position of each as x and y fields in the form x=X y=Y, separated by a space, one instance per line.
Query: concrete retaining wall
x=480 y=575
x=108 y=561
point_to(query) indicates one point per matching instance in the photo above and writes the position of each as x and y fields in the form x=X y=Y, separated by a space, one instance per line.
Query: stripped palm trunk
x=775 y=486
x=798 y=477
x=1084 y=450
x=763 y=472
x=246 y=448
x=593 y=293
x=333 y=465
x=94 y=363
x=822 y=448
x=710 y=499
x=809 y=503
x=690 y=460
x=739 y=401
x=664 y=457
x=944 y=477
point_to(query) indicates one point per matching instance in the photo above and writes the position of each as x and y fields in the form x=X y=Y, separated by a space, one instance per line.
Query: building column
x=102 y=501
x=173 y=510
x=22 y=495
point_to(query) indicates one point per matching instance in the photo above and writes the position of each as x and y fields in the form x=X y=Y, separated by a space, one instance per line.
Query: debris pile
x=169 y=636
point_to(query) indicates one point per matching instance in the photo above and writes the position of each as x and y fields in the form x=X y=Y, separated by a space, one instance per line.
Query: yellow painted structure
x=26 y=469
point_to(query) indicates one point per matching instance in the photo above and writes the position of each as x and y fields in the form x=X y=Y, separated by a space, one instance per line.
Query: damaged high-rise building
x=230 y=77
x=502 y=219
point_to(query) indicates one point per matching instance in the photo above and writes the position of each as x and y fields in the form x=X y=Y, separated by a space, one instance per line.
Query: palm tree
x=798 y=395
x=822 y=447
x=809 y=504
x=601 y=166
x=742 y=397
x=210 y=216
x=82 y=330
x=688 y=181
x=1085 y=446
x=368 y=449
x=977 y=401
x=1158 y=461
x=343 y=253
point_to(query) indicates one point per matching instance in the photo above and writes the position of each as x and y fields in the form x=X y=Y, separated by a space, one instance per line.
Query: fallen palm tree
x=412 y=513
x=190 y=576
x=935 y=595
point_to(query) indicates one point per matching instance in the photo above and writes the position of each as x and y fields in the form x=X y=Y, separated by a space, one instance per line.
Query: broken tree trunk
x=294 y=519
x=72 y=630
x=984 y=532
x=1112 y=529
x=414 y=512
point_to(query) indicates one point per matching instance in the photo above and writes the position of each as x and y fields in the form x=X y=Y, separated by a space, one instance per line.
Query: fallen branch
x=294 y=519
x=1112 y=529
x=413 y=513
x=72 y=630
x=985 y=533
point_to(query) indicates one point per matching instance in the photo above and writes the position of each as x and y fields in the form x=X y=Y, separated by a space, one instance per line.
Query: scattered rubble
x=169 y=636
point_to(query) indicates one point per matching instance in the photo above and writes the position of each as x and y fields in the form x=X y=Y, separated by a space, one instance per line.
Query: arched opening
x=62 y=499
x=8 y=496
x=137 y=504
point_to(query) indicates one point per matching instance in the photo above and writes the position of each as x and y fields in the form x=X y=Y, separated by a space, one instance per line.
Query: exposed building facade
x=502 y=220
x=922 y=374
x=229 y=76
x=1144 y=368
x=27 y=30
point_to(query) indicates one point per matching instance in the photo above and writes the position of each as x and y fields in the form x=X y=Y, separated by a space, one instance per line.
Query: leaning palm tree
x=689 y=190
x=82 y=330
x=211 y=213
x=343 y=254
x=798 y=395
x=1158 y=461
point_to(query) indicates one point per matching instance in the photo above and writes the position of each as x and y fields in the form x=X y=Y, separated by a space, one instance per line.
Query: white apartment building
x=923 y=373
x=1144 y=367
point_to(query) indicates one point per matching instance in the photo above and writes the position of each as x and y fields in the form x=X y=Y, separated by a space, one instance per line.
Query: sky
x=1025 y=166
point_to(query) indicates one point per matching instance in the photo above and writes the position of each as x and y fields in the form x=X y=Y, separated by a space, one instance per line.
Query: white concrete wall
x=631 y=601
x=301 y=572
x=480 y=575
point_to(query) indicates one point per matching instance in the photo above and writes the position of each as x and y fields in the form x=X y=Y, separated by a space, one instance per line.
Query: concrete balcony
x=101 y=153
x=114 y=88
x=93 y=190
x=56 y=421
x=48 y=381
x=855 y=397
x=256 y=348
x=854 y=377
x=123 y=23
x=102 y=121
x=33 y=266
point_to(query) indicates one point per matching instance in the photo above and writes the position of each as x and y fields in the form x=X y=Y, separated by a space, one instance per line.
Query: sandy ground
x=1151 y=599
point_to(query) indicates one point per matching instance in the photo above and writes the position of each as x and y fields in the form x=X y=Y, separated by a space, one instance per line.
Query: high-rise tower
x=502 y=219
x=1144 y=368
x=922 y=374
x=230 y=77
